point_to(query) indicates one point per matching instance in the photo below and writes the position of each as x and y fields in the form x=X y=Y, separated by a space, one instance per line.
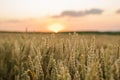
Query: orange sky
x=73 y=15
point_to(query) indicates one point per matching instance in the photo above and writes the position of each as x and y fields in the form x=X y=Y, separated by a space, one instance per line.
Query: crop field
x=59 y=56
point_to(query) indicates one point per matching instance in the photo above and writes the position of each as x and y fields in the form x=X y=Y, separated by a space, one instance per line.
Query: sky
x=71 y=15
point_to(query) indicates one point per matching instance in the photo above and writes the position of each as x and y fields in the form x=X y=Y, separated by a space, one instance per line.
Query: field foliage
x=59 y=56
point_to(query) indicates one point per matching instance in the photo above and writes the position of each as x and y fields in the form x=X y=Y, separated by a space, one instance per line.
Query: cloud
x=10 y=21
x=118 y=11
x=13 y=21
x=79 y=13
x=94 y=11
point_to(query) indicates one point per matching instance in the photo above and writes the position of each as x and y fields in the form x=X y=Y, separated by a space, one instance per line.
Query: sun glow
x=56 y=27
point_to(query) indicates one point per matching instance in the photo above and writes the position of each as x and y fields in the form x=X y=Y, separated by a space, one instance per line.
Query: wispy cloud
x=14 y=21
x=20 y=25
x=118 y=11
x=79 y=13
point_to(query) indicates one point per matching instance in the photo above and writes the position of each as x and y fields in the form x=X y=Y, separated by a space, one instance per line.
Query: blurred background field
x=60 y=56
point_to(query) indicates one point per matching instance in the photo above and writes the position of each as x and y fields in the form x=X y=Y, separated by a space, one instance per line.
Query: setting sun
x=56 y=27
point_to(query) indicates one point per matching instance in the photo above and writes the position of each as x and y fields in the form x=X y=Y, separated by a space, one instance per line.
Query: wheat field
x=52 y=56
